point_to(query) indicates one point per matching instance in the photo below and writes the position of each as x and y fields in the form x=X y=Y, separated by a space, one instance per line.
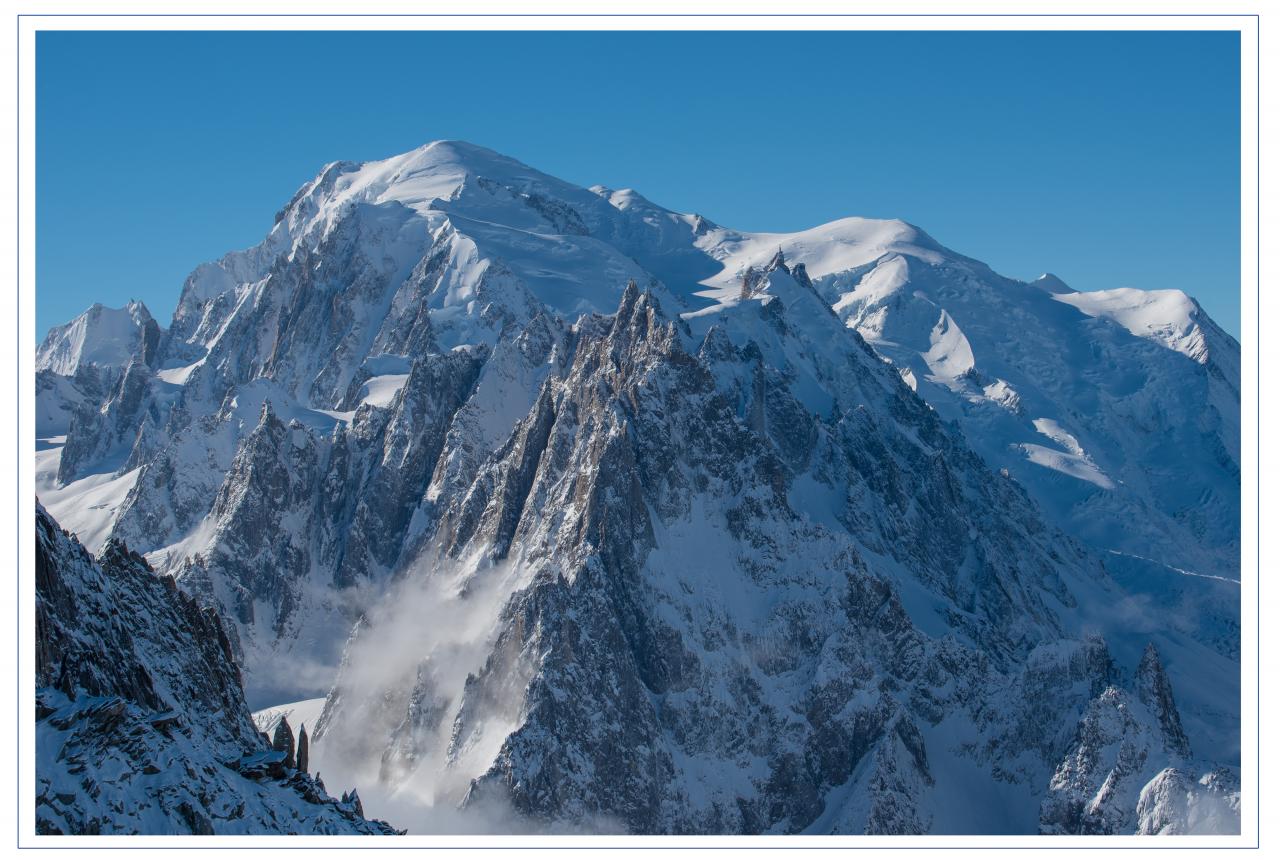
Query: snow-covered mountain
x=1119 y=410
x=82 y=362
x=663 y=526
x=105 y=338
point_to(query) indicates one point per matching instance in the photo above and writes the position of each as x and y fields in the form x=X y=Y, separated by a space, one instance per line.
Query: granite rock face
x=677 y=648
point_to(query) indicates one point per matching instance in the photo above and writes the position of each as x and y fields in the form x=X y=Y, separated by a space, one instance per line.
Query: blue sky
x=1110 y=159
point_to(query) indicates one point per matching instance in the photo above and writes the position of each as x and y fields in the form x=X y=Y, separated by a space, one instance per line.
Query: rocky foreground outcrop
x=141 y=724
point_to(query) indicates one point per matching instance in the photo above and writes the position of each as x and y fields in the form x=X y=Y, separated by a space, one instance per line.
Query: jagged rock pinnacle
x=282 y=740
x=304 y=751
x=1154 y=690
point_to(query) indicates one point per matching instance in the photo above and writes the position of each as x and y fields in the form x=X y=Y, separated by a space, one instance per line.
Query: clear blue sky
x=1110 y=159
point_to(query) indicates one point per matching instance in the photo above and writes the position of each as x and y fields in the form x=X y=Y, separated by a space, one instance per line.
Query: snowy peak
x=441 y=176
x=841 y=250
x=572 y=247
x=1101 y=403
x=1168 y=317
x=103 y=337
x=635 y=205
x=448 y=243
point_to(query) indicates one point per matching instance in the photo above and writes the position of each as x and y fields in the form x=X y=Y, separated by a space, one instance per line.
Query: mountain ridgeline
x=608 y=517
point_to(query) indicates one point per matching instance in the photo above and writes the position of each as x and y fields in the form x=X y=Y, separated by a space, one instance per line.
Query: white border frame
x=23 y=251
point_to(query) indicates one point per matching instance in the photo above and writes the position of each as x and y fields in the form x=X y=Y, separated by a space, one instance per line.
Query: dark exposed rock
x=97 y=430
x=1155 y=692
x=352 y=800
x=612 y=684
x=282 y=741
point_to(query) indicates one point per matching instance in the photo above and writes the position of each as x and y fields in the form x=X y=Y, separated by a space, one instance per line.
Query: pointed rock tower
x=1152 y=687
x=282 y=740
x=304 y=752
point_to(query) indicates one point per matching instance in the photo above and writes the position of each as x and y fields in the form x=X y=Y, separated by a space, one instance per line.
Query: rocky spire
x=282 y=740
x=801 y=275
x=630 y=295
x=303 y=749
x=1153 y=689
x=751 y=280
x=353 y=798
